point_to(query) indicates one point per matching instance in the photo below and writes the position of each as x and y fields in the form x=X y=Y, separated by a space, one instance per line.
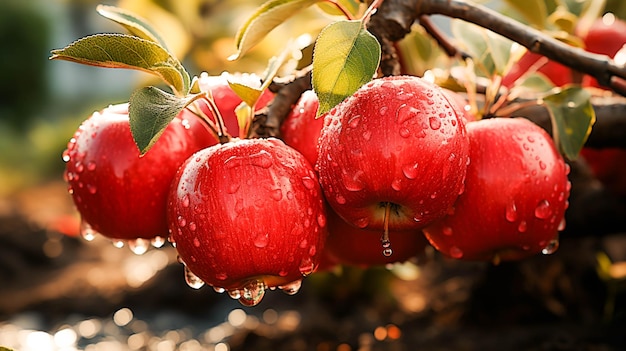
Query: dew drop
x=410 y=170
x=86 y=232
x=181 y=221
x=221 y=276
x=303 y=243
x=354 y=121
x=362 y=222
x=308 y=182
x=383 y=110
x=261 y=159
x=396 y=184
x=561 y=226
x=352 y=184
x=510 y=213
x=252 y=293
x=367 y=135
x=405 y=113
x=306 y=266
x=543 y=210
x=283 y=273
x=79 y=167
x=522 y=227
x=434 y=122
x=234 y=294
x=405 y=132
x=276 y=194
x=157 y=241
x=542 y=165
x=386 y=245
x=192 y=280
x=92 y=189
x=321 y=220
x=118 y=243
x=218 y=290
x=233 y=187
x=291 y=288
x=312 y=250
x=91 y=166
x=193 y=226
x=340 y=199
x=447 y=231
x=139 y=246
x=196 y=242
x=66 y=155
x=456 y=252
x=185 y=200
x=551 y=248
x=261 y=240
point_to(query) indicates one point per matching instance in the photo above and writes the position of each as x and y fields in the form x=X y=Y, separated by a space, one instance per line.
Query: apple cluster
x=395 y=167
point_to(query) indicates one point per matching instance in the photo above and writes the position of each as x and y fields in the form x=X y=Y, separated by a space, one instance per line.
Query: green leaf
x=246 y=93
x=346 y=56
x=2 y=348
x=150 y=111
x=135 y=25
x=351 y=6
x=490 y=51
x=572 y=118
x=127 y=51
x=267 y=17
x=533 y=11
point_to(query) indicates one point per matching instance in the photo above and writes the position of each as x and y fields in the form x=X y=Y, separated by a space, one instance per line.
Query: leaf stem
x=371 y=10
x=342 y=9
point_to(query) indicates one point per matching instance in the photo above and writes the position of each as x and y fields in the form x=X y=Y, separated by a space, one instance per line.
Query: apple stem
x=342 y=9
x=222 y=135
x=386 y=243
x=193 y=108
x=371 y=10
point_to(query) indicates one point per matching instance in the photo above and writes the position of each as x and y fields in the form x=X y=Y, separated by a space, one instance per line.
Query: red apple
x=227 y=100
x=556 y=73
x=118 y=193
x=246 y=216
x=394 y=155
x=301 y=130
x=350 y=245
x=516 y=193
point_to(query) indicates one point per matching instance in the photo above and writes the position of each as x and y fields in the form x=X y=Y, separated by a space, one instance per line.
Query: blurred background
x=59 y=292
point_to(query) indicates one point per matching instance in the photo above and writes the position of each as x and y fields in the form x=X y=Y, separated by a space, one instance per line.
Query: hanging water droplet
x=410 y=170
x=261 y=240
x=543 y=210
x=86 y=231
x=218 y=290
x=386 y=245
x=561 y=226
x=118 y=243
x=456 y=252
x=157 y=241
x=306 y=266
x=192 y=280
x=511 y=212
x=522 y=227
x=291 y=288
x=252 y=293
x=552 y=246
x=66 y=155
x=139 y=246
x=234 y=294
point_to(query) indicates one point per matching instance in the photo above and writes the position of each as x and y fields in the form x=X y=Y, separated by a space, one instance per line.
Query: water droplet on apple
x=530 y=139
x=261 y=240
x=510 y=212
x=92 y=189
x=312 y=250
x=552 y=246
x=261 y=159
x=218 y=289
x=139 y=246
x=86 y=232
x=306 y=266
x=447 y=231
x=362 y=222
x=404 y=132
x=303 y=243
x=91 y=166
x=435 y=123
x=79 y=167
x=352 y=183
x=252 y=293
x=561 y=226
x=522 y=227
x=405 y=113
x=234 y=294
x=456 y=252
x=354 y=121
x=196 y=242
x=321 y=220
x=66 y=155
x=308 y=182
x=182 y=222
x=340 y=199
x=386 y=245
x=276 y=194
x=542 y=165
x=291 y=288
x=410 y=170
x=157 y=241
x=543 y=210
x=232 y=188
x=367 y=135
x=396 y=184
x=192 y=280
x=193 y=226
x=283 y=273
x=118 y=243
x=221 y=276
